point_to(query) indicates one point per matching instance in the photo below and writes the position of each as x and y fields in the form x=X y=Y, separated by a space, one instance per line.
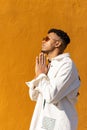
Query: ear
x=58 y=44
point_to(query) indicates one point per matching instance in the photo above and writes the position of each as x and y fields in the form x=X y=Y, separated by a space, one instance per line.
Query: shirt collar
x=61 y=56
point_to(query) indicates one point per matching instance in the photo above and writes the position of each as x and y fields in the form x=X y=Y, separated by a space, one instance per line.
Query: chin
x=44 y=51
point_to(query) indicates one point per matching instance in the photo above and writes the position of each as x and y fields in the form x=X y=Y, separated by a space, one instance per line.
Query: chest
x=54 y=69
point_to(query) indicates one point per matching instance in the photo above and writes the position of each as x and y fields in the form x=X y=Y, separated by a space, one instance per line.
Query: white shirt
x=55 y=95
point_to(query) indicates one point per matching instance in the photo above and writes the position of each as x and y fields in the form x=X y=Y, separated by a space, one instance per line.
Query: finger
x=44 y=59
x=41 y=58
x=37 y=60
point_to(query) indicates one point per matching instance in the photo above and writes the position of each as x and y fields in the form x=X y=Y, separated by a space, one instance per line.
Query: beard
x=44 y=51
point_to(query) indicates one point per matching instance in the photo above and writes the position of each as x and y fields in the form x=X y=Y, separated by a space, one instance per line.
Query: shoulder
x=62 y=60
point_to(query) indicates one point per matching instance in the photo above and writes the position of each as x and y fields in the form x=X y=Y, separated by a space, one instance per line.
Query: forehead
x=53 y=35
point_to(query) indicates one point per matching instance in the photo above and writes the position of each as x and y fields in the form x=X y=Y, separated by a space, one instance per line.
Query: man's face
x=49 y=43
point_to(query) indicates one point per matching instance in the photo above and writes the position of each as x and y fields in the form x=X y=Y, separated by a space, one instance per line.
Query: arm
x=40 y=68
x=50 y=88
x=66 y=80
x=53 y=90
x=33 y=92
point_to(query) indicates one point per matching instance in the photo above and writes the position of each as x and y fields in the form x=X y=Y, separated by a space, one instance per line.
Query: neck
x=53 y=54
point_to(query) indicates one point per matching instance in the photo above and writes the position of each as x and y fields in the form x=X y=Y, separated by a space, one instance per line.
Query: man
x=55 y=87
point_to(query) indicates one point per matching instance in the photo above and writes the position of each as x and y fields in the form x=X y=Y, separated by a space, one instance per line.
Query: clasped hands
x=41 y=66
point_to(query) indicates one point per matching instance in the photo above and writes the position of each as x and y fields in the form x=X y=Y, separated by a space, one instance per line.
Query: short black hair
x=63 y=35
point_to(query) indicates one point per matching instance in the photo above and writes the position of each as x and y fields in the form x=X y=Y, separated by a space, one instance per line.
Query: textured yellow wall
x=23 y=23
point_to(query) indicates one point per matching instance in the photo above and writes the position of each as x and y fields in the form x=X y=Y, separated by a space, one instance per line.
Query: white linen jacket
x=55 y=95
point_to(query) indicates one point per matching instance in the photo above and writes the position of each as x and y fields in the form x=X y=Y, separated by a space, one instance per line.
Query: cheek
x=49 y=45
x=52 y=45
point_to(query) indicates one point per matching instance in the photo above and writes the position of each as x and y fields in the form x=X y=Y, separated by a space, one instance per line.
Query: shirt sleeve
x=54 y=89
x=33 y=92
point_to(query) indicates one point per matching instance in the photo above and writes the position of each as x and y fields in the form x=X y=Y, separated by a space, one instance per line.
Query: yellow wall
x=23 y=23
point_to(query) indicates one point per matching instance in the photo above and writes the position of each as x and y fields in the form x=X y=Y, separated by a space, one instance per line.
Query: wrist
x=39 y=74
